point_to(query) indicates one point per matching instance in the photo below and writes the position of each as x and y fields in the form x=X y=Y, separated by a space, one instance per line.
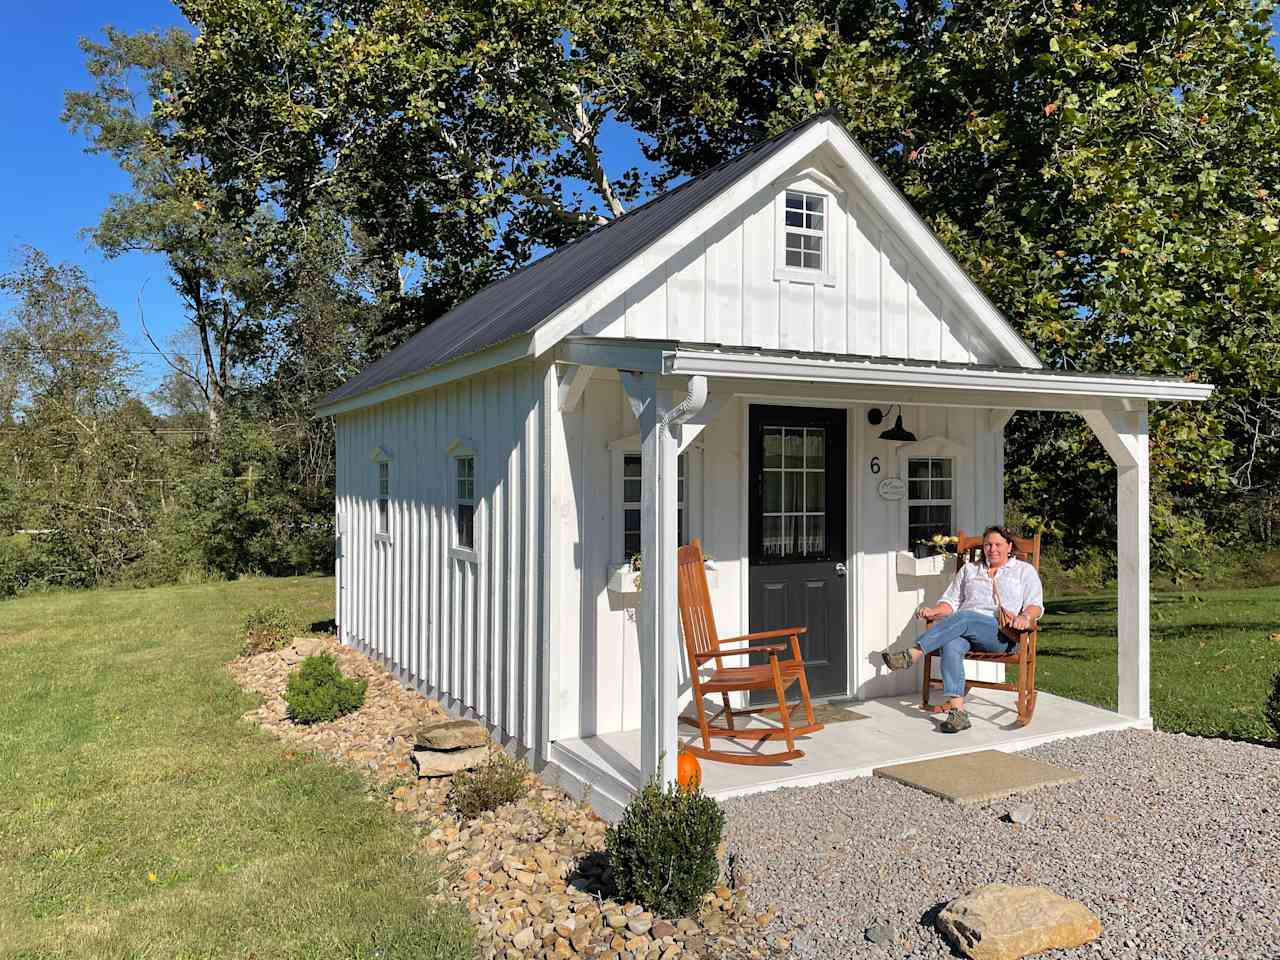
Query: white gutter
x=756 y=366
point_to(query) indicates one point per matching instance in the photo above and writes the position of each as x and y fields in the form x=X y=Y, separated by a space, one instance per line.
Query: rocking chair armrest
x=768 y=634
x=772 y=648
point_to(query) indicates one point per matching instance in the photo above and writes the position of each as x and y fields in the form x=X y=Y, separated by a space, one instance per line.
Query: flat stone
x=1003 y=922
x=450 y=735
x=1020 y=815
x=978 y=777
x=880 y=933
x=443 y=763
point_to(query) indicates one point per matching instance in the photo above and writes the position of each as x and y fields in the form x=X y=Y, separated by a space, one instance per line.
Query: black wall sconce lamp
x=897 y=432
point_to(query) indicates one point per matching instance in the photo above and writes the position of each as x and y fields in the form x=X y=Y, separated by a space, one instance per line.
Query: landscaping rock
x=451 y=735
x=880 y=933
x=1003 y=922
x=517 y=870
x=1020 y=815
x=445 y=763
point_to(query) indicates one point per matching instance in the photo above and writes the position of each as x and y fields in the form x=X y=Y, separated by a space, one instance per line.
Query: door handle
x=841 y=569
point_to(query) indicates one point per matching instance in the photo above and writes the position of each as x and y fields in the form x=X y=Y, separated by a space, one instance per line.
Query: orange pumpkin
x=688 y=771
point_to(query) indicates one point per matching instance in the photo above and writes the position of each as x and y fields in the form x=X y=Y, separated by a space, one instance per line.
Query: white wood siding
x=721 y=289
x=595 y=657
x=463 y=629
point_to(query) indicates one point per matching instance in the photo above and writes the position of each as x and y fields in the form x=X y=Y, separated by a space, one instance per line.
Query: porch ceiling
x=737 y=368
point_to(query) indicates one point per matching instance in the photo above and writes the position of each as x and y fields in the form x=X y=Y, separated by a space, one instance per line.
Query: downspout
x=690 y=406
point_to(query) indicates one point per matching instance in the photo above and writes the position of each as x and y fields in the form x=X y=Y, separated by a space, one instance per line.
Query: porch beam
x=819 y=393
x=1124 y=436
x=659 y=691
x=640 y=356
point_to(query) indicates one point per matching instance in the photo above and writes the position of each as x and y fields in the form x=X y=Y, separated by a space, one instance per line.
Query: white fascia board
x=638 y=356
x=470 y=365
x=1032 y=382
x=573 y=314
x=901 y=217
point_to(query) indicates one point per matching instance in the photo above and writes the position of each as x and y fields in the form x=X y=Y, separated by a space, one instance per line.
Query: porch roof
x=1014 y=387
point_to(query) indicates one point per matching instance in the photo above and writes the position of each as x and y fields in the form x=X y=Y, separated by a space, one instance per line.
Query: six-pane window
x=795 y=497
x=929 y=498
x=805 y=230
x=632 y=483
x=465 y=495
x=384 y=497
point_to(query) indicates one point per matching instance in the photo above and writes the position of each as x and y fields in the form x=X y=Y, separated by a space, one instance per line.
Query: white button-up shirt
x=1017 y=581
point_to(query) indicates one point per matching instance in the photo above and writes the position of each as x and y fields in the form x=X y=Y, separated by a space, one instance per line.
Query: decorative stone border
x=532 y=874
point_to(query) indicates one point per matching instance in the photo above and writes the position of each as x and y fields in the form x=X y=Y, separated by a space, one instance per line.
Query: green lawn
x=1212 y=657
x=122 y=757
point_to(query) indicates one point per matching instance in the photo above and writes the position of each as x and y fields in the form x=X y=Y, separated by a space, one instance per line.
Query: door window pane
x=794 y=501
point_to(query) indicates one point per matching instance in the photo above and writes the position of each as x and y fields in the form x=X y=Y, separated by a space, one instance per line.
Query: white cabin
x=719 y=363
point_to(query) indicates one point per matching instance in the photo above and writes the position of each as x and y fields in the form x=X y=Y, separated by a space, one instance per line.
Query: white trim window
x=805 y=236
x=464 y=503
x=384 y=499
x=930 y=498
x=632 y=490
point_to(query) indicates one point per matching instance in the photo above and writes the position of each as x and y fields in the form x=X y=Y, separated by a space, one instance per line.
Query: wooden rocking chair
x=703 y=644
x=1023 y=656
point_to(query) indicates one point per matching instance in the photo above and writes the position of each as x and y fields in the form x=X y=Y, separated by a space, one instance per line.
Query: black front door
x=797 y=536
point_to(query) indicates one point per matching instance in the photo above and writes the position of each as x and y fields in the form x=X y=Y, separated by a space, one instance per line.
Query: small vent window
x=805 y=230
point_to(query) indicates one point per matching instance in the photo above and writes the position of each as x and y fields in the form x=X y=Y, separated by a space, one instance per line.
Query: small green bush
x=318 y=691
x=1272 y=707
x=498 y=780
x=663 y=850
x=269 y=628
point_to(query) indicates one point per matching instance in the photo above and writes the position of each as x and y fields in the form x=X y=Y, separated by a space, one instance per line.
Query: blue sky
x=50 y=190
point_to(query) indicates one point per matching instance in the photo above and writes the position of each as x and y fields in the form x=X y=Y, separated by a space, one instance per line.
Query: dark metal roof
x=521 y=302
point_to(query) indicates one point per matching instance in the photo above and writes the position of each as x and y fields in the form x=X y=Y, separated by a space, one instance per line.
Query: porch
x=892 y=730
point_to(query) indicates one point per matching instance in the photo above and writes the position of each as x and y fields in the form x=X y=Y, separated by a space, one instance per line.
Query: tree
x=81 y=455
x=457 y=140
x=219 y=266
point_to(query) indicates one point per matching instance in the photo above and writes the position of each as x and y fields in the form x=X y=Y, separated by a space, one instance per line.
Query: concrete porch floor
x=895 y=731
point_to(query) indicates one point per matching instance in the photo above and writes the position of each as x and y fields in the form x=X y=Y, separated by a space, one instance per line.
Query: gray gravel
x=1173 y=841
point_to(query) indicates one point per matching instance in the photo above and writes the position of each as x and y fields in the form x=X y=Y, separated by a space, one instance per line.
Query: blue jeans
x=955 y=636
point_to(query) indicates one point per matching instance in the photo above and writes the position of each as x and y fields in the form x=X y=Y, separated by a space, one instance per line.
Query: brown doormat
x=826 y=713
x=978 y=777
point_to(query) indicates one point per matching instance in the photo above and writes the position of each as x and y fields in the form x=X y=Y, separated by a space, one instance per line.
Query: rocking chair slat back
x=696 y=618
x=702 y=644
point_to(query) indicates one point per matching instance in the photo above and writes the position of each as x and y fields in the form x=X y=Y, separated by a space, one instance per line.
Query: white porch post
x=659 y=643
x=1124 y=435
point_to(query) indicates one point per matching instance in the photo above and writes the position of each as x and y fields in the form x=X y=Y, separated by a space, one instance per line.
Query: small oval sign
x=892 y=488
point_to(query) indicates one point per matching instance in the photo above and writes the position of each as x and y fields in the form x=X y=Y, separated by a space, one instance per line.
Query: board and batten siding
x=459 y=628
x=595 y=659
x=721 y=289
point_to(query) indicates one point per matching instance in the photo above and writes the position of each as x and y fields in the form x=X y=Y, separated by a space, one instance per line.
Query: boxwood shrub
x=318 y=691
x=663 y=852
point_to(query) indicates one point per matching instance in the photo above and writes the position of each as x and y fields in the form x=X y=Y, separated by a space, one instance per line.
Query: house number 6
x=875 y=464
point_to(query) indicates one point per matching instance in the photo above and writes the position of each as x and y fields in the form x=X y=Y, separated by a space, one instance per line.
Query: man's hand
x=933 y=613
x=1021 y=622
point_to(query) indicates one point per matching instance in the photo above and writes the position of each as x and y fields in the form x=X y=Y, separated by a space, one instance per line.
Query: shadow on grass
x=1069 y=653
x=323 y=626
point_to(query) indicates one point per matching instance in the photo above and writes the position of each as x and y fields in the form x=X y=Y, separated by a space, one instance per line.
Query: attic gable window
x=805 y=230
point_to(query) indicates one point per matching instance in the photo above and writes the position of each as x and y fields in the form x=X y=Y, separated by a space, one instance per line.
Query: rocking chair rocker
x=1023 y=656
x=703 y=644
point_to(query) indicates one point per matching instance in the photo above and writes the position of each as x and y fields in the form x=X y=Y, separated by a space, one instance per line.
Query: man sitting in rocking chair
x=981 y=599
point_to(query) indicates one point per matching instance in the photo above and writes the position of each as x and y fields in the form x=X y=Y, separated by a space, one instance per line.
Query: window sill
x=462 y=553
x=800 y=275
x=382 y=538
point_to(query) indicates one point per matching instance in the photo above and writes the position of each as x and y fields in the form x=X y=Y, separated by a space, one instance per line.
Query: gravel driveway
x=1173 y=841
